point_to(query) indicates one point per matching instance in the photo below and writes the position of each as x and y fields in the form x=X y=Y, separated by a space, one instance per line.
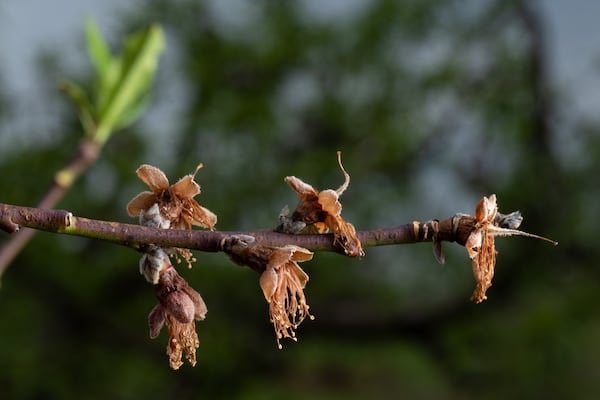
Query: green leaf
x=97 y=47
x=84 y=106
x=126 y=82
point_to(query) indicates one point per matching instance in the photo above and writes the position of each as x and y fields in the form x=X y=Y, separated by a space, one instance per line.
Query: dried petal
x=328 y=199
x=473 y=243
x=201 y=216
x=304 y=190
x=321 y=211
x=153 y=177
x=268 y=283
x=141 y=202
x=200 y=309
x=300 y=253
x=186 y=187
x=156 y=320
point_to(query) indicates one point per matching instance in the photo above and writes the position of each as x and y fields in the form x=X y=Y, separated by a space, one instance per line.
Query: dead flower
x=176 y=202
x=281 y=279
x=322 y=210
x=481 y=248
x=178 y=306
x=282 y=283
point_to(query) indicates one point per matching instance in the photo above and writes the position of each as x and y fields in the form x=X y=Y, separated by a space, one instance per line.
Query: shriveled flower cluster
x=177 y=208
x=321 y=211
x=281 y=279
x=179 y=305
x=481 y=247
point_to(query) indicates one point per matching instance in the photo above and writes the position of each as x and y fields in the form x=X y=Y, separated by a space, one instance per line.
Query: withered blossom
x=322 y=210
x=176 y=202
x=480 y=244
x=282 y=281
x=178 y=306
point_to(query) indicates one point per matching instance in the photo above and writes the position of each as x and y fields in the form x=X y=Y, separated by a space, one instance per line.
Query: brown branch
x=86 y=155
x=456 y=228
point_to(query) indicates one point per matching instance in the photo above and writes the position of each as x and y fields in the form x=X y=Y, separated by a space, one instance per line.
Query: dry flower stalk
x=322 y=212
x=481 y=248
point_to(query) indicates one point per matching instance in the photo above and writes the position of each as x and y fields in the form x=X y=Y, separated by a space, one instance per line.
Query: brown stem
x=136 y=236
x=86 y=155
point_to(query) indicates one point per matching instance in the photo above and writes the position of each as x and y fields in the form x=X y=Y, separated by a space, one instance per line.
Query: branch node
x=437 y=243
x=68 y=219
x=235 y=243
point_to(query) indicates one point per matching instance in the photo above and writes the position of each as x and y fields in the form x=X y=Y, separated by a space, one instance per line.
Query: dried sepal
x=176 y=202
x=179 y=305
x=282 y=281
x=321 y=212
x=480 y=242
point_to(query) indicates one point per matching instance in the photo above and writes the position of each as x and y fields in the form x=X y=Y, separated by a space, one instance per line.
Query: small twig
x=86 y=155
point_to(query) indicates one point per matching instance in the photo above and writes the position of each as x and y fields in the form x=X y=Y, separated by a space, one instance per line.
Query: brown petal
x=200 y=309
x=299 y=273
x=304 y=190
x=301 y=254
x=141 y=202
x=156 y=320
x=268 y=283
x=328 y=199
x=153 y=177
x=180 y=306
x=201 y=216
x=473 y=243
x=279 y=256
x=186 y=188
x=486 y=209
x=481 y=209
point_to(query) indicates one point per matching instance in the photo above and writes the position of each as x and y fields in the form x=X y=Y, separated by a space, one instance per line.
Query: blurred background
x=434 y=104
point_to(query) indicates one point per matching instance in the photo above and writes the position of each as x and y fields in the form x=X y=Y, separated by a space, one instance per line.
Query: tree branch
x=453 y=229
x=85 y=156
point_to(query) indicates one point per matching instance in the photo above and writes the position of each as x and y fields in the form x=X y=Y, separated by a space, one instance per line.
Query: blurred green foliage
x=434 y=104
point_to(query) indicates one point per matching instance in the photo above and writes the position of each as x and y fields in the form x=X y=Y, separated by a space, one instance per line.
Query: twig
x=86 y=155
